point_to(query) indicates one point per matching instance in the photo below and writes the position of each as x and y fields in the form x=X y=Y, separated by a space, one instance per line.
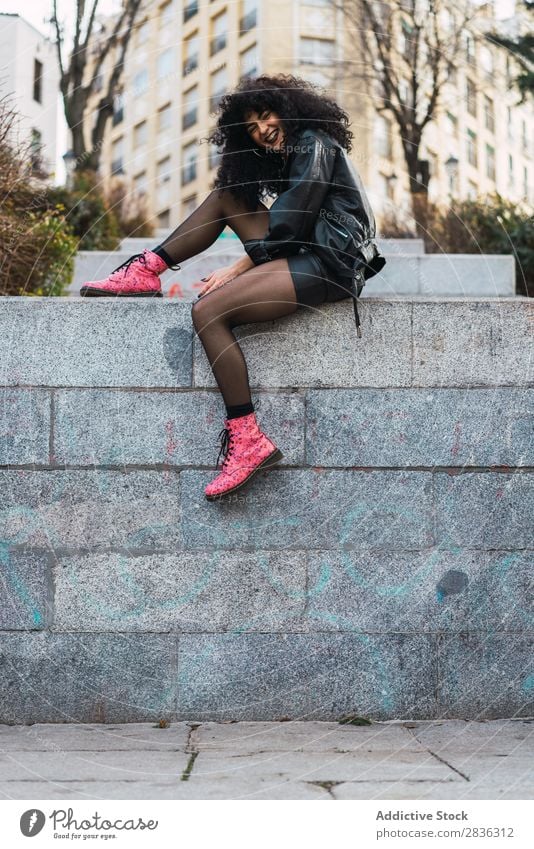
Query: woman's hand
x=218 y=278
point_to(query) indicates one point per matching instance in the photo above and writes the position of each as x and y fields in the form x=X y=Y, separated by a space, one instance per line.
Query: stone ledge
x=132 y=343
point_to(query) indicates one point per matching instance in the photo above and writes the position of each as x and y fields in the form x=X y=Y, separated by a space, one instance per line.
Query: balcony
x=189 y=118
x=190 y=11
x=190 y=64
x=217 y=43
x=189 y=173
x=247 y=22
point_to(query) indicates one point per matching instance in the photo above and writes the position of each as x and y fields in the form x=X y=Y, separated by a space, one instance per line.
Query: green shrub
x=483 y=225
x=88 y=213
x=36 y=247
x=54 y=264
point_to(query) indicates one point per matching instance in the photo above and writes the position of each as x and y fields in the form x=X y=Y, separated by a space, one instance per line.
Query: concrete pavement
x=437 y=759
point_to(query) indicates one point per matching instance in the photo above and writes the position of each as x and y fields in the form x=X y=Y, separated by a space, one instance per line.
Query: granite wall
x=383 y=569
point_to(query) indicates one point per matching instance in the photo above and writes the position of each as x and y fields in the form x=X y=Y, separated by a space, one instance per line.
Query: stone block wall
x=384 y=568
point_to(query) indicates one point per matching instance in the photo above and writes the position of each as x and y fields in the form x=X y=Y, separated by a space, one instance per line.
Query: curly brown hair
x=299 y=104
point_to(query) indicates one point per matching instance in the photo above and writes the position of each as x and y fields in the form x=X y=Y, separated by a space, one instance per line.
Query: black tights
x=263 y=293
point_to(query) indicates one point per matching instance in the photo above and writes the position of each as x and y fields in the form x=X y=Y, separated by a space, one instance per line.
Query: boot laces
x=128 y=262
x=142 y=258
x=226 y=446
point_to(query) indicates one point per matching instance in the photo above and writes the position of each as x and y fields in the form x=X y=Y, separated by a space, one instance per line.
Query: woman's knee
x=204 y=312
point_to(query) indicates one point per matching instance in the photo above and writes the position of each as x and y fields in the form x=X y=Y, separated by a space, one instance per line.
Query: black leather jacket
x=324 y=209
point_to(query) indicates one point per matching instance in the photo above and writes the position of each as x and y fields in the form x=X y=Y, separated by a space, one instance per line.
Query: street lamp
x=70 y=162
x=451 y=167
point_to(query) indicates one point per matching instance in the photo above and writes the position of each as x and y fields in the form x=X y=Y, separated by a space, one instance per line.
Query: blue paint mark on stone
x=528 y=684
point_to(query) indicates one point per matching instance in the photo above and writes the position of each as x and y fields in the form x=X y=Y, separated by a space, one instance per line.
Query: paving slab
x=267 y=788
x=93 y=737
x=325 y=766
x=93 y=766
x=269 y=760
x=256 y=737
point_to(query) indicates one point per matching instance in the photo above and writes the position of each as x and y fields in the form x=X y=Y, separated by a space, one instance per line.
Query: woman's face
x=265 y=128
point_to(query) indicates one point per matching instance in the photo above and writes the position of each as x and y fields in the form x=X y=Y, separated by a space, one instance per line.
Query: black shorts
x=313 y=283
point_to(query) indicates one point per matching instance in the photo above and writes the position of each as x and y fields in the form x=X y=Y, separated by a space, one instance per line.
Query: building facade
x=29 y=74
x=184 y=54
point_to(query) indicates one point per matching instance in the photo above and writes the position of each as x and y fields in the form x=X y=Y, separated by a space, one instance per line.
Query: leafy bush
x=484 y=225
x=92 y=220
x=131 y=211
x=36 y=249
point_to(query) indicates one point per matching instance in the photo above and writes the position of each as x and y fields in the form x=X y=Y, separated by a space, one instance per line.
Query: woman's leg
x=263 y=293
x=206 y=223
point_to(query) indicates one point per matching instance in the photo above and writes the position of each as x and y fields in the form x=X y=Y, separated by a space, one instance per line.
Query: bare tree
x=76 y=86
x=405 y=49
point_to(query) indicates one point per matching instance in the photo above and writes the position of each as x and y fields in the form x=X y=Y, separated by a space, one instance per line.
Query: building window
x=525 y=183
x=140 y=83
x=165 y=63
x=249 y=61
x=190 y=10
x=164 y=219
x=189 y=163
x=452 y=123
x=37 y=81
x=383 y=136
x=489 y=114
x=218 y=86
x=486 y=61
x=472 y=148
x=164 y=118
x=471 y=97
x=451 y=73
x=405 y=92
x=140 y=184
x=189 y=116
x=142 y=33
x=510 y=169
x=405 y=40
x=140 y=134
x=189 y=205
x=490 y=162
x=166 y=14
x=510 y=123
x=191 y=47
x=219 y=32
x=214 y=156
x=316 y=51
x=117 y=155
x=118 y=109
x=524 y=137
x=163 y=171
x=249 y=17
x=470 y=49
x=36 y=150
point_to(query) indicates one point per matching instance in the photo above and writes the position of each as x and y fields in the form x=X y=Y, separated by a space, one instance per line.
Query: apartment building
x=29 y=74
x=184 y=55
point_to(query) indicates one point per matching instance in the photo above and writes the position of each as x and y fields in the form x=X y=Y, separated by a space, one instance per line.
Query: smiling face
x=265 y=129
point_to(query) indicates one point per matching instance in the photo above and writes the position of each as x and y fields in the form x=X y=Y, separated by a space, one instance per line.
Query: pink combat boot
x=138 y=277
x=246 y=450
